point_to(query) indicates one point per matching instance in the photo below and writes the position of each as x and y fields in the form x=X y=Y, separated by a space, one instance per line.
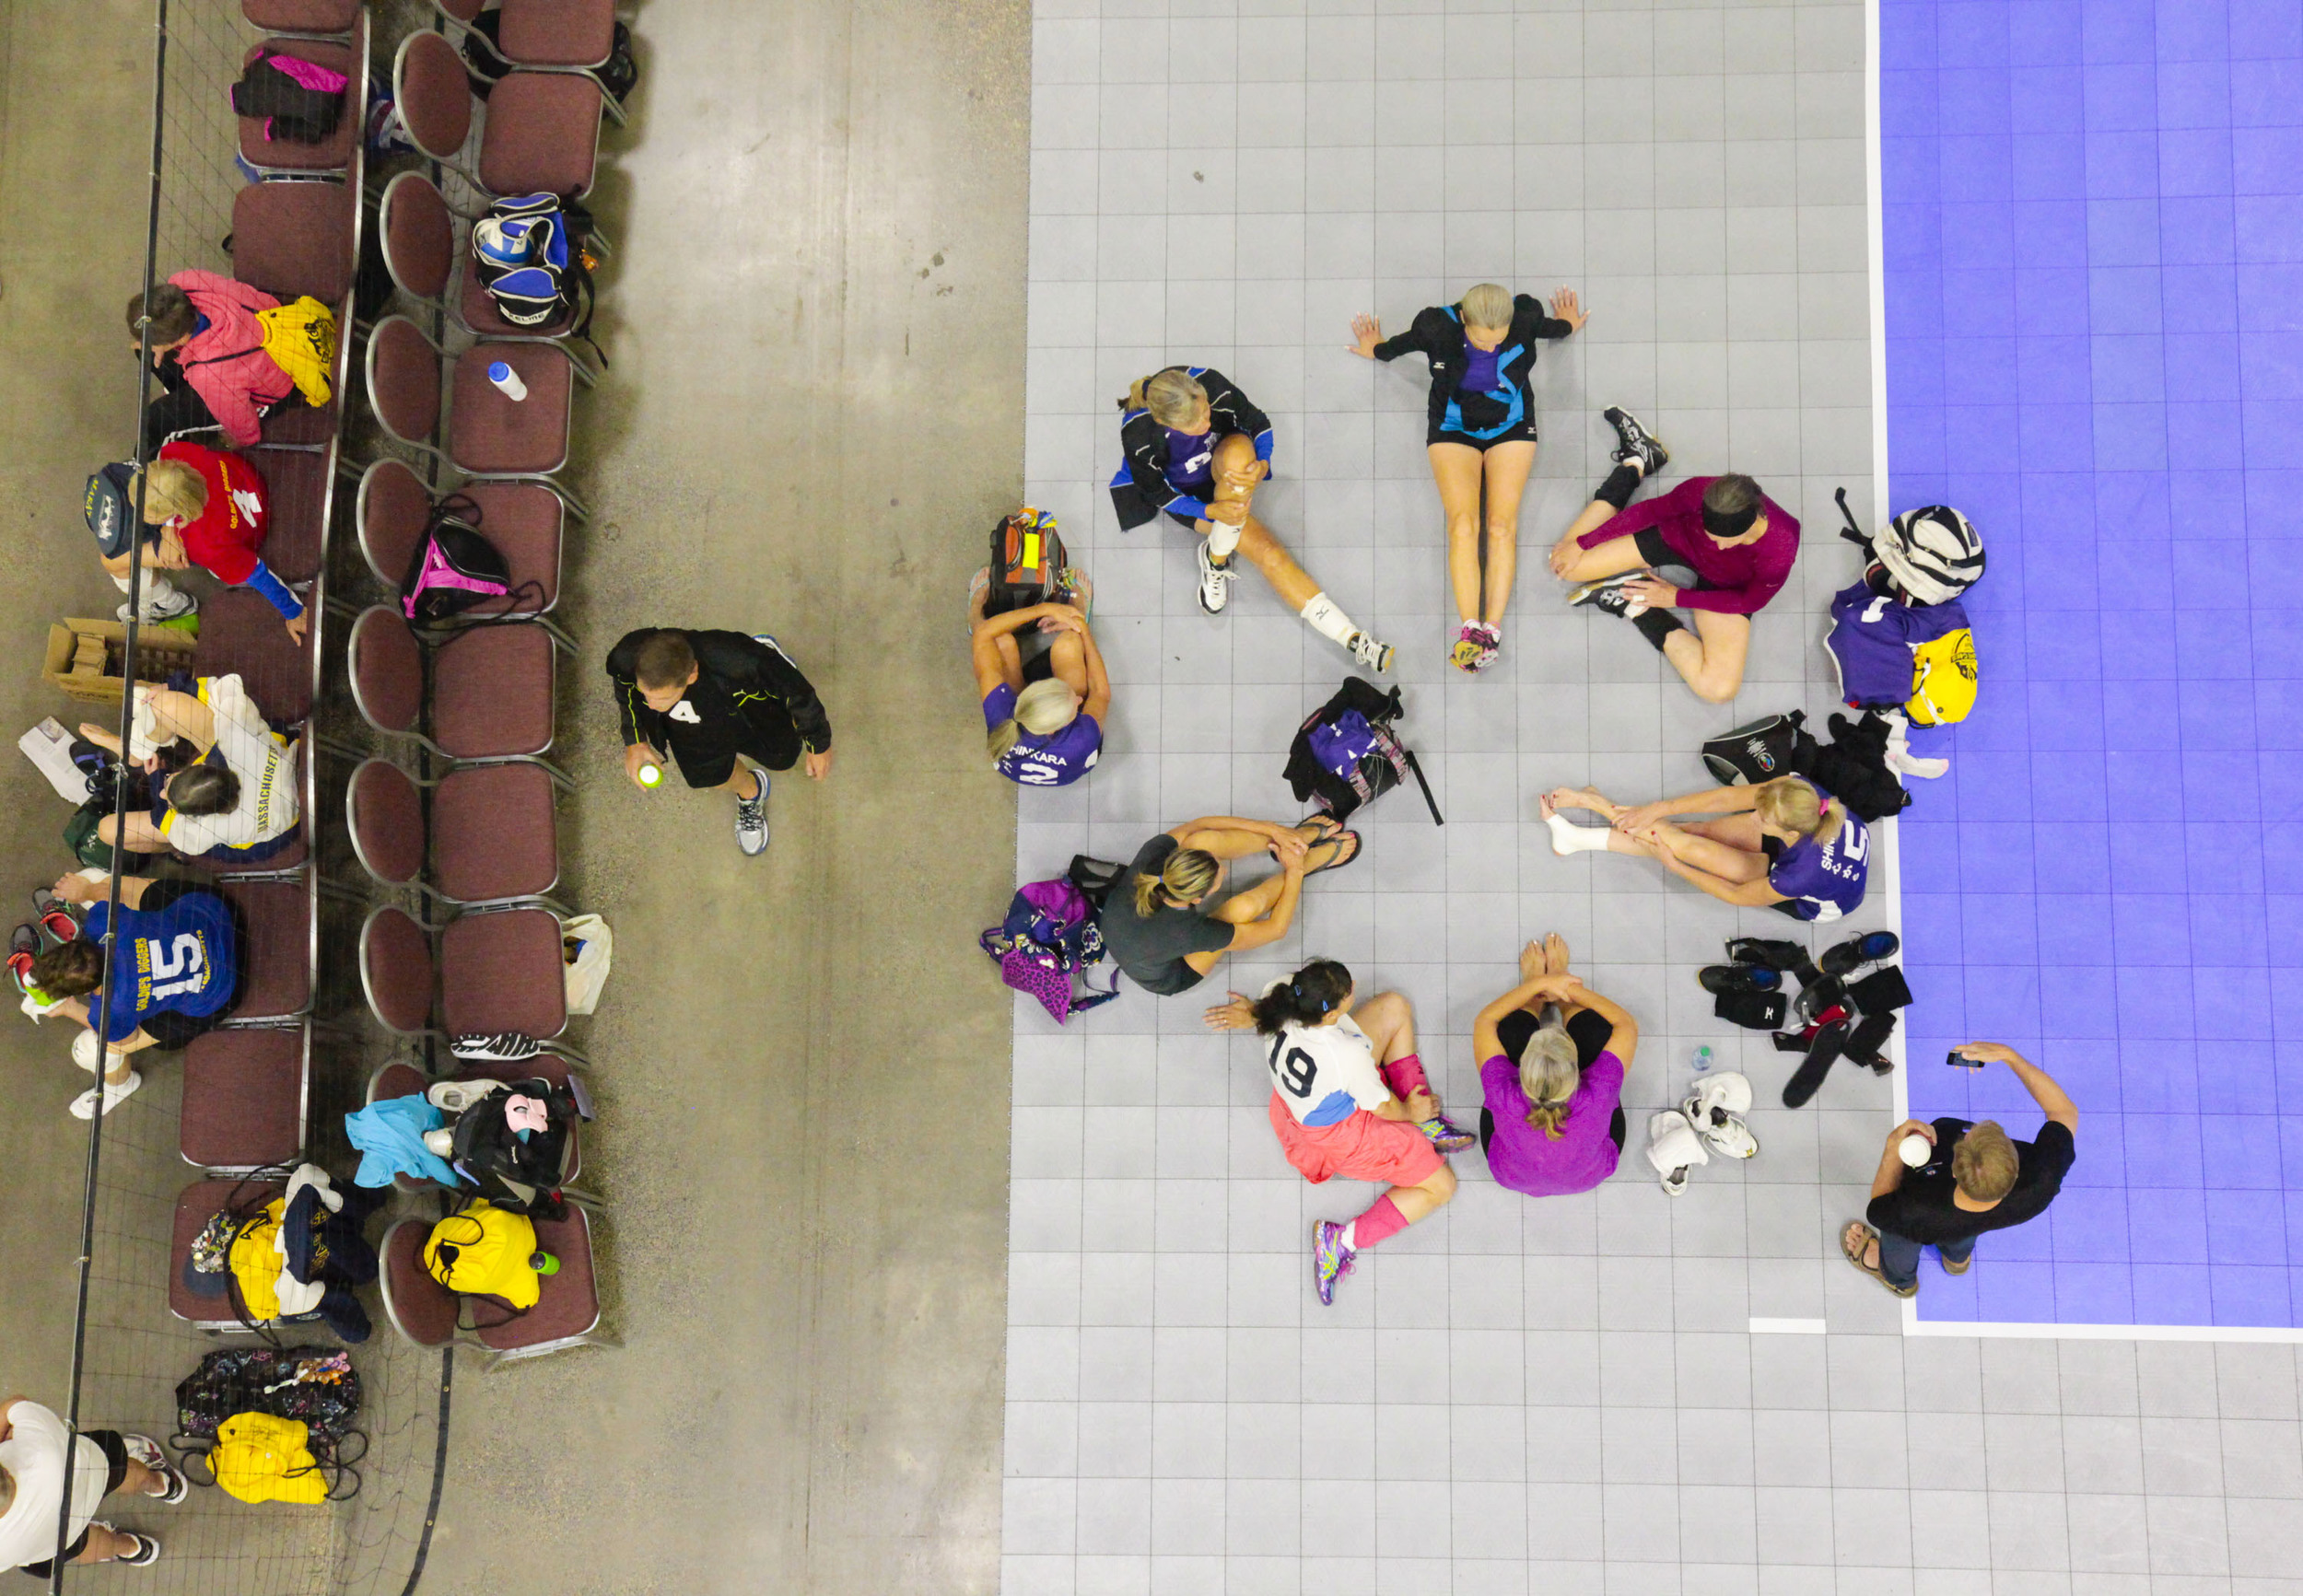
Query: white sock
x=1223 y=538
x=1901 y=758
x=1350 y=1236
x=1567 y=837
x=1323 y=617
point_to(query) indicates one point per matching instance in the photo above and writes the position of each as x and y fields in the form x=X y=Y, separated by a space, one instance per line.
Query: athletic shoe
x=1331 y=1259
x=1635 y=442
x=84 y=1107
x=1215 y=582
x=1367 y=651
x=23 y=948
x=56 y=917
x=458 y=1096
x=180 y=606
x=500 y=1046
x=752 y=823
x=1476 y=646
x=1723 y=979
x=147 y=1550
x=1607 y=594
x=146 y=1451
x=1846 y=957
x=1445 y=1134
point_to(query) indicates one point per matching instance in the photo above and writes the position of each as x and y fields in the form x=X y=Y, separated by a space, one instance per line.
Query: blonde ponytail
x=1188 y=875
x=1790 y=804
x=1172 y=396
x=1550 y=1077
x=1000 y=740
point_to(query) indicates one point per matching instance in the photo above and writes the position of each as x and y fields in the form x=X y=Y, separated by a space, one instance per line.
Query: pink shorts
x=1366 y=1147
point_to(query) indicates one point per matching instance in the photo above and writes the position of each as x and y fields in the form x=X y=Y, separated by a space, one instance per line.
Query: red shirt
x=1743 y=578
x=228 y=535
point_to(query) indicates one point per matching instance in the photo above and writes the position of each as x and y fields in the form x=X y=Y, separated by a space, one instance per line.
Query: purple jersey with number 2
x=1824 y=884
x=1057 y=760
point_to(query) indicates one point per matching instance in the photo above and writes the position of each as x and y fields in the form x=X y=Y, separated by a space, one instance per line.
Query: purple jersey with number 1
x=1824 y=882
x=1059 y=759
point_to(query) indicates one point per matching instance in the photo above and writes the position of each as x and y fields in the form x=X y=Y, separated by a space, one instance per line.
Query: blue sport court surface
x=2094 y=291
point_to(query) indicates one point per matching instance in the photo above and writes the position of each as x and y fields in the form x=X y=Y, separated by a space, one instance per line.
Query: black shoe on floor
x=1845 y=958
x=1730 y=978
x=1635 y=442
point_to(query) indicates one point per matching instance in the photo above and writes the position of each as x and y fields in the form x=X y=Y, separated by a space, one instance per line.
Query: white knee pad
x=84 y=1051
x=1223 y=538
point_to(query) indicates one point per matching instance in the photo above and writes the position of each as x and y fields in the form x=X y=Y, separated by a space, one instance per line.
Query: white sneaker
x=752 y=822
x=84 y=1106
x=173 y=607
x=1215 y=582
x=1367 y=651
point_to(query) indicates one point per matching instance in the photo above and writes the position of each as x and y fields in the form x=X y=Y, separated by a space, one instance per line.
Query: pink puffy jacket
x=225 y=362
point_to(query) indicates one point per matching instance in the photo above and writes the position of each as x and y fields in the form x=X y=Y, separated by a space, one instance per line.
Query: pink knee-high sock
x=1382 y=1221
x=1405 y=1076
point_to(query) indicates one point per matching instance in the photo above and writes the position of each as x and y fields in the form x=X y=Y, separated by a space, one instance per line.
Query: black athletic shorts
x=1658 y=553
x=115 y=1452
x=1523 y=433
x=706 y=754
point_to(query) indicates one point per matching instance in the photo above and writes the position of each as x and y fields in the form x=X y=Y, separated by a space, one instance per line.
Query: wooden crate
x=85 y=657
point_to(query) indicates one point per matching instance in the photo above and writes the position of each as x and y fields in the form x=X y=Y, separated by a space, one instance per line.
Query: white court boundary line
x=1888 y=858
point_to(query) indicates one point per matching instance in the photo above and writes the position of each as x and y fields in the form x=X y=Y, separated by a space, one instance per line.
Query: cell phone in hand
x=1958 y=1060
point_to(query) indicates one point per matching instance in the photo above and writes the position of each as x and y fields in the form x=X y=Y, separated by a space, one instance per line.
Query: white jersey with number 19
x=1324 y=1073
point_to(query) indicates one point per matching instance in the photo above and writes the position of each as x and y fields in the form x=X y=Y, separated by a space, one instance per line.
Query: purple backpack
x=1050 y=939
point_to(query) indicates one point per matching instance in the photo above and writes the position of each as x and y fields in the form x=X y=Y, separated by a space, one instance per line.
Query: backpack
x=1853 y=768
x=1346 y=755
x=1943 y=678
x=259 y=1458
x=1027 y=561
x=300 y=101
x=1779 y=745
x=529 y=253
x=521 y=1174
x=315 y=1384
x=1049 y=940
x=1933 y=554
x=487 y=1252
x=453 y=567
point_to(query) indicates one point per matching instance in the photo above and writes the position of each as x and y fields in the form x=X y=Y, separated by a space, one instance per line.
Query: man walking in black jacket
x=718 y=701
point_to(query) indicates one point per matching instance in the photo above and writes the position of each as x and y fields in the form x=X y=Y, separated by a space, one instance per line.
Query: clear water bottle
x=505 y=378
x=1703 y=1058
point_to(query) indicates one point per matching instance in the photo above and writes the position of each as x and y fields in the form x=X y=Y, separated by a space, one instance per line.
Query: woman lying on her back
x=1786 y=843
x=1349 y=1097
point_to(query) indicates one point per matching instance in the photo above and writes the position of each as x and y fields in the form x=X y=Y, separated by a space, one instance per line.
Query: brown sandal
x=1864 y=1236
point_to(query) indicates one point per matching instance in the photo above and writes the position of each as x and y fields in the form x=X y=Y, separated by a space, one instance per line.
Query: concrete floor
x=816 y=319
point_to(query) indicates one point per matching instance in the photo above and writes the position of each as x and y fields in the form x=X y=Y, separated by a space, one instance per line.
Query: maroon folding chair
x=430 y=262
x=523 y=521
x=490 y=689
x=489 y=433
x=279 y=950
x=543 y=35
x=339 y=153
x=195 y=1205
x=541 y=134
x=493 y=836
x=247 y=1099
x=302 y=487
x=241 y=634
x=291 y=239
x=488 y=970
x=422 y=1311
x=303 y=18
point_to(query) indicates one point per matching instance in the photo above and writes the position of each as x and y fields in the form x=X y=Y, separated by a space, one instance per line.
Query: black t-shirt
x=1920 y=1209
x=1150 y=950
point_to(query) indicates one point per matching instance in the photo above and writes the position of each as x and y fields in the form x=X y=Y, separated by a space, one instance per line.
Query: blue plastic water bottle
x=1702 y=1058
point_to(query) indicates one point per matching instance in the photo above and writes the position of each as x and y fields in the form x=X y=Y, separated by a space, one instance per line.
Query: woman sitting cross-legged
x=1043 y=716
x=1349 y=1097
x=1163 y=926
x=1552 y=1054
x=1785 y=845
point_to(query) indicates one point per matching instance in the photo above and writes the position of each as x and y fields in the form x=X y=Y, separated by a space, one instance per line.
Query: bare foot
x=1532 y=962
x=1581 y=798
x=1555 y=952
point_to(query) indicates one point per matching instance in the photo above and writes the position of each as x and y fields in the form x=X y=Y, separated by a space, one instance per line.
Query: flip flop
x=1342 y=856
x=1856 y=1255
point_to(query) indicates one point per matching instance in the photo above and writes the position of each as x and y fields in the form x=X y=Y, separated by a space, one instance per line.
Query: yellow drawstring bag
x=484 y=1252
x=301 y=340
x=1943 y=678
x=259 y=1458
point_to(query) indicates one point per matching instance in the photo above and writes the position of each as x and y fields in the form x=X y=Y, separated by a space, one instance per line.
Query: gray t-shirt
x=1150 y=949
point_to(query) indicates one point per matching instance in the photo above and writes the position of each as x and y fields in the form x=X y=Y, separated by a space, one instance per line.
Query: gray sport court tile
x=1561 y=1396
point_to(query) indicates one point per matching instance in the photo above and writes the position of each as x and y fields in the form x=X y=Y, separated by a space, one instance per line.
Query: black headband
x=1720 y=524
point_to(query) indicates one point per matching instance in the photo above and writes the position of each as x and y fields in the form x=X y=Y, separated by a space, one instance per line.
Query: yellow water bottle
x=651 y=775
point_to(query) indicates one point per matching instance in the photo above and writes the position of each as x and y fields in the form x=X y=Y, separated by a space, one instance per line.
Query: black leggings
x=1586 y=1029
